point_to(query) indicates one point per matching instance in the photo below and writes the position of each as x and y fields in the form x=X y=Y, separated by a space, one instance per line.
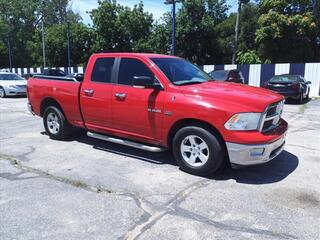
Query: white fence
x=254 y=74
x=257 y=74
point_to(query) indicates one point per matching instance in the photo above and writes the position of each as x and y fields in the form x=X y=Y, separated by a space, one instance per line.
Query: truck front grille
x=271 y=116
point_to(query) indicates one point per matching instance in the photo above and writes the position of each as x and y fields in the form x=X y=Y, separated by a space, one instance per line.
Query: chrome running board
x=126 y=142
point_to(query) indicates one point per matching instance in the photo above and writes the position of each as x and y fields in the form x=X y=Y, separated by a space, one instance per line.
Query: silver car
x=12 y=84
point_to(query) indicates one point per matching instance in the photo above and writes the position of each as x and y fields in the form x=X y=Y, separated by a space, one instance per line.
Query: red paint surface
x=211 y=102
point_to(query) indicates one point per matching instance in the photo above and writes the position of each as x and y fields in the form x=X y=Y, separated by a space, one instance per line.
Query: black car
x=227 y=76
x=54 y=72
x=26 y=76
x=290 y=86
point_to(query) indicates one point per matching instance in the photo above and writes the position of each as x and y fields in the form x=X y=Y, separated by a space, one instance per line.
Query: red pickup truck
x=156 y=102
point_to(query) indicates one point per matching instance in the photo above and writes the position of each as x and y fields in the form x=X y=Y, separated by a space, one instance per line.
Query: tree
x=287 y=31
x=16 y=23
x=196 y=39
x=120 y=28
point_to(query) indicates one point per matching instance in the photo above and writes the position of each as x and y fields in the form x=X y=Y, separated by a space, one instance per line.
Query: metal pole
x=236 y=33
x=9 y=53
x=43 y=44
x=69 y=48
x=173 y=50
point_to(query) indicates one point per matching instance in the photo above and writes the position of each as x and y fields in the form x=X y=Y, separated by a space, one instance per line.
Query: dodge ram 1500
x=156 y=102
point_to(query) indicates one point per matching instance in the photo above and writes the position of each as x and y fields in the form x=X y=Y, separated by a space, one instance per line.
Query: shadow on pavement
x=290 y=101
x=273 y=171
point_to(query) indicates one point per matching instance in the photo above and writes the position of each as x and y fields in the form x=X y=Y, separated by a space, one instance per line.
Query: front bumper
x=16 y=92
x=245 y=155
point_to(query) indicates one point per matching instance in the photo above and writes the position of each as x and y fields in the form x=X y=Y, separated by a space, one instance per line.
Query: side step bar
x=125 y=142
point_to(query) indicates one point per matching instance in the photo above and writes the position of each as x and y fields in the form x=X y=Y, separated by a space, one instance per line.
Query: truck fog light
x=256 y=152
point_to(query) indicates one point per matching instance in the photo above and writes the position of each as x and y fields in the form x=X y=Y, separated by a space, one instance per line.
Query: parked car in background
x=155 y=102
x=290 y=86
x=227 y=76
x=26 y=76
x=77 y=76
x=12 y=84
x=54 y=72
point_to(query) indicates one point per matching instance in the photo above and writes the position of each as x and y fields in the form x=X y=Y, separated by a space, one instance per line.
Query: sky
x=156 y=7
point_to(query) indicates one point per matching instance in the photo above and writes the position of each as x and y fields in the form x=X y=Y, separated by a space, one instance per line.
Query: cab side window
x=102 y=70
x=131 y=68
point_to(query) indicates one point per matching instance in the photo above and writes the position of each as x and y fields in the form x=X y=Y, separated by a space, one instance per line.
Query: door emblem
x=154 y=110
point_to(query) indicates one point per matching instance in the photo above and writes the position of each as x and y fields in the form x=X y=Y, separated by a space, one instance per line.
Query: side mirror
x=146 y=82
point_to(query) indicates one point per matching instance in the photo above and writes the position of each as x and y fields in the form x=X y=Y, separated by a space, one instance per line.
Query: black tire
x=3 y=92
x=64 y=128
x=300 y=99
x=216 y=156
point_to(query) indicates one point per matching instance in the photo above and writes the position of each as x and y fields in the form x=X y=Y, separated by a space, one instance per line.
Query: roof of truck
x=127 y=54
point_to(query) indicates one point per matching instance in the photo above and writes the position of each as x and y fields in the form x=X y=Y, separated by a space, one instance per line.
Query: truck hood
x=238 y=97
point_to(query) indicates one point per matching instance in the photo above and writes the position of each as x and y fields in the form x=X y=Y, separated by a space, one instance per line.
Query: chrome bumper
x=245 y=155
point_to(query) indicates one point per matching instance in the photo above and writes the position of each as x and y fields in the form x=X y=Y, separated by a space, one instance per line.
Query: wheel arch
x=193 y=122
x=49 y=101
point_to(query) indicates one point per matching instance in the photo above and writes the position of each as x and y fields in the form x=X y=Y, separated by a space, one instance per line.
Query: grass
x=303 y=108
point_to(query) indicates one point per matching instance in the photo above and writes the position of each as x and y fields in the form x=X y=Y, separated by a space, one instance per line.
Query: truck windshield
x=180 y=71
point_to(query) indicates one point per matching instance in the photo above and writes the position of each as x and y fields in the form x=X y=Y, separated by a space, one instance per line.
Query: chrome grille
x=271 y=116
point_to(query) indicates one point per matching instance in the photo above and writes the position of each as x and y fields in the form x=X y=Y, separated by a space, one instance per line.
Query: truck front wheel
x=55 y=123
x=198 y=151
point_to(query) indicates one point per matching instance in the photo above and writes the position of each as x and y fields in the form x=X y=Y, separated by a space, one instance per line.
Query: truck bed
x=64 y=90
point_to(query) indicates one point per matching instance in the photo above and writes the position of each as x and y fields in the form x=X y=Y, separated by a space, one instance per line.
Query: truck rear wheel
x=198 y=151
x=55 y=123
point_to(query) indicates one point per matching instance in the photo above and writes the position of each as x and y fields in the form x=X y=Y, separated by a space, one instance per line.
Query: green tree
x=120 y=28
x=21 y=22
x=17 y=20
x=160 y=38
x=196 y=39
x=287 y=31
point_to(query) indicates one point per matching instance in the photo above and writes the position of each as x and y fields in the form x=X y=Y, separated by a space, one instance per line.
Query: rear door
x=95 y=95
x=136 y=112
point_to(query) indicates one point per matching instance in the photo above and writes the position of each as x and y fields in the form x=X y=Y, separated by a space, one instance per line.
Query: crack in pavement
x=181 y=212
x=139 y=229
x=151 y=215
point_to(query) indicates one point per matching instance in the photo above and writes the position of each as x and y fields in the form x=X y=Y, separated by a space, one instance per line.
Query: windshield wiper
x=189 y=83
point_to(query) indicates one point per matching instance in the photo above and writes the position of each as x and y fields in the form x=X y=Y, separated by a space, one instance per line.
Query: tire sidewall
x=216 y=152
x=63 y=130
x=4 y=92
x=300 y=98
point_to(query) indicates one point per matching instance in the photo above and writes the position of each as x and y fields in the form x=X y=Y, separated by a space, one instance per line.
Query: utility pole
x=69 y=47
x=43 y=37
x=43 y=44
x=9 y=52
x=237 y=27
x=173 y=38
x=236 y=33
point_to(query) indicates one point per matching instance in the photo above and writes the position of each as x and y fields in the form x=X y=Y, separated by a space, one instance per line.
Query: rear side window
x=102 y=70
x=130 y=68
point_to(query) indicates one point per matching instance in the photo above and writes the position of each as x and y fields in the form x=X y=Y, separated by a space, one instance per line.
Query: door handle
x=121 y=96
x=88 y=92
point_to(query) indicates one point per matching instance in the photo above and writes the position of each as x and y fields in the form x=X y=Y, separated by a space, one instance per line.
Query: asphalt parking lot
x=84 y=188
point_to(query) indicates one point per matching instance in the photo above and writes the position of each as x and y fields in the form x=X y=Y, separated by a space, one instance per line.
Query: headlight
x=243 y=121
x=12 y=86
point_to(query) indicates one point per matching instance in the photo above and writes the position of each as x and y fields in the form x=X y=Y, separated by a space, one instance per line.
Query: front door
x=136 y=112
